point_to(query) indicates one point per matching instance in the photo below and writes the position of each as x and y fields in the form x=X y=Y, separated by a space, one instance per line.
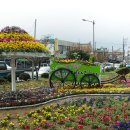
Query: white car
x=43 y=70
x=117 y=66
x=8 y=67
x=108 y=65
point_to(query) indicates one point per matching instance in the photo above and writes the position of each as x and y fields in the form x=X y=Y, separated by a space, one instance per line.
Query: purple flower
x=13 y=29
x=128 y=122
x=85 y=99
x=115 y=127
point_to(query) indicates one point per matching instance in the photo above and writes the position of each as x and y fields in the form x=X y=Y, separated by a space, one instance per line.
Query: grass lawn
x=25 y=84
x=45 y=82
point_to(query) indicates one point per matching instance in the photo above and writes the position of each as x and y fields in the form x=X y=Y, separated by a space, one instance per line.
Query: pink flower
x=81 y=120
x=117 y=117
x=36 y=129
x=99 y=128
x=100 y=117
x=125 y=115
x=26 y=127
x=80 y=126
x=105 y=118
x=116 y=123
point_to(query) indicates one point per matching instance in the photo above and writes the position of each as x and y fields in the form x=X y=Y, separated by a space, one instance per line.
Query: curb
x=62 y=98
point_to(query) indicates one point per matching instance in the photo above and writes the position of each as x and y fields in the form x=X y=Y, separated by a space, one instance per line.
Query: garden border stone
x=61 y=99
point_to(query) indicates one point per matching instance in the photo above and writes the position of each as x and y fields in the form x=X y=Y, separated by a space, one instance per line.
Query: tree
x=92 y=58
x=78 y=54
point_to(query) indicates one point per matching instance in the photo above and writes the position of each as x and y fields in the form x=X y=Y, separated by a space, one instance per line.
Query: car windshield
x=44 y=64
x=108 y=64
x=2 y=65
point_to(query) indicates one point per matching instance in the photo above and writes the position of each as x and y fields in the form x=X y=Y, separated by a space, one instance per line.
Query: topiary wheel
x=2 y=80
x=89 y=80
x=62 y=77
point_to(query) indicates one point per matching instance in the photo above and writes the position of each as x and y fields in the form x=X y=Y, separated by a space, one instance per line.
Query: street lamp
x=93 y=22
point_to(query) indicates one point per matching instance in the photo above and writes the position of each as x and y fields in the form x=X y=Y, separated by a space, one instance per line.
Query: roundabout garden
x=72 y=113
x=66 y=108
x=73 y=98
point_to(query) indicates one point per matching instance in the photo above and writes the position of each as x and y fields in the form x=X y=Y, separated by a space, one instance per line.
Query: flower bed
x=40 y=95
x=107 y=90
x=29 y=97
x=73 y=61
x=15 y=39
x=100 y=113
x=64 y=60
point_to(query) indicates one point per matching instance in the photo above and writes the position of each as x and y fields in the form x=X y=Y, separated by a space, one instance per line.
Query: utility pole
x=123 y=49
x=93 y=38
x=124 y=41
x=35 y=28
x=93 y=22
x=95 y=48
x=33 y=64
x=112 y=53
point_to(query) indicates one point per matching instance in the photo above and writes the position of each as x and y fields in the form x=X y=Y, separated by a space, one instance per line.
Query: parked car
x=44 y=68
x=8 y=67
x=44 y=64
x=117 y=66
x=4 y=66
x=5 y=71
x=128 y=64
x=97 y=63
x=108 y=65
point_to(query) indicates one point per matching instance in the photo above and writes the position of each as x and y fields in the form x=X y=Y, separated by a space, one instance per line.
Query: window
x=3 y=66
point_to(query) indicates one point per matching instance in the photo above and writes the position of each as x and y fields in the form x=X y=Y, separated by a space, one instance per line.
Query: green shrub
x=95 y=125
x=68 y=124
x=45 y=75
x=2 y=80
x=123 y=71
x=122 y=65
x=110 y=69
x=8 y=77
x=24 y=76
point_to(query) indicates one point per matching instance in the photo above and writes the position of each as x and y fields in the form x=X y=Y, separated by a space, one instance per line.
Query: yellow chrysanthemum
x=16 y=36
x=16 y=39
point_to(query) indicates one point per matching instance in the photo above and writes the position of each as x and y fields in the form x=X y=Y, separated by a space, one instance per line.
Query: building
x=118 y=55
x=60 y=47
x=128 y=55
x=102 y=54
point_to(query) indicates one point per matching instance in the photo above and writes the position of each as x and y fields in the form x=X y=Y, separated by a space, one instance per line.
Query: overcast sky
x=63 y=19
